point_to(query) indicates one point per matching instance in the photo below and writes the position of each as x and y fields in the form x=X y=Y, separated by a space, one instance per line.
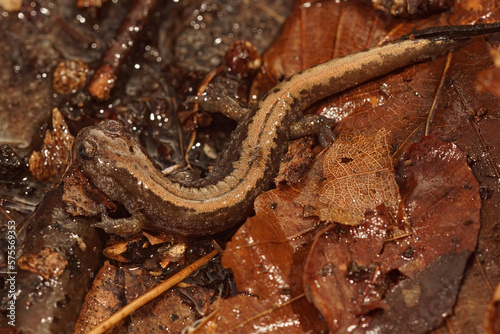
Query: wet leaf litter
x=397 y=269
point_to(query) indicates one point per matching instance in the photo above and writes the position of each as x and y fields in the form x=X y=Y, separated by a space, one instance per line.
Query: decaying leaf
x=479 y=138
x=50 y=163
x=419 y=305
x=358 y=177
x=442 y=202
x=104 y=298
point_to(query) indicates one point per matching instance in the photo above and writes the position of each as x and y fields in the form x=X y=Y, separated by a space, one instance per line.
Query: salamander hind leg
x=314 y=125
x=121 y=226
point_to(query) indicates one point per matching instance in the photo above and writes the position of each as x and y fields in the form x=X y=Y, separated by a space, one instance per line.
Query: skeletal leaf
x=359 y=176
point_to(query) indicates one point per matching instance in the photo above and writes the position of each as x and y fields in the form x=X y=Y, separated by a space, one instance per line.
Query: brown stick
x=113 y=58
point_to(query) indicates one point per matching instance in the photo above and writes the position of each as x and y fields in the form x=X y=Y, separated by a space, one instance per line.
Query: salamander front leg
x=220 y=104
x=121 y=226
x=314 y=125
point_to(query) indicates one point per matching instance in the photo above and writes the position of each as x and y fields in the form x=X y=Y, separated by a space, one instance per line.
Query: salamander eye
x=87 y=149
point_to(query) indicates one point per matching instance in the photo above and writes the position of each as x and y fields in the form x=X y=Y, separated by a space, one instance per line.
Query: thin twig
x=152 y=294
x=432 y=112
x=133 y=25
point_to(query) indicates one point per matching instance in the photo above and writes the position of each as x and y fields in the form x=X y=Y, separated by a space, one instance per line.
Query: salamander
x=120 y=167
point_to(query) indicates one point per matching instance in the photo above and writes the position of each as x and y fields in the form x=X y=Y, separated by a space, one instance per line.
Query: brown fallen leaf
x=419 y=305
x=442 y=201
x=358 y=176
x=104 y=298
x=342 y=274
x=479 y=139
x=267 y=256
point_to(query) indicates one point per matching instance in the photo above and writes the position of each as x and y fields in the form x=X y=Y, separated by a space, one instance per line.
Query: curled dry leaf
x=50 y=163
x=358 y=177
x=351 y=269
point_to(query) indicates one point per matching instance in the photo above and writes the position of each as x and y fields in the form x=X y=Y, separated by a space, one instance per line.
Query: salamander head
x=106 y=148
